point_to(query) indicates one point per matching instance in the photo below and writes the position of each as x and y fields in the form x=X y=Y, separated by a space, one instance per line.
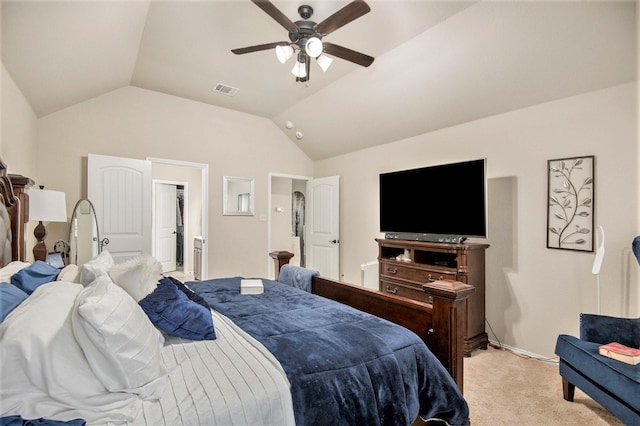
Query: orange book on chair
x=620 y=352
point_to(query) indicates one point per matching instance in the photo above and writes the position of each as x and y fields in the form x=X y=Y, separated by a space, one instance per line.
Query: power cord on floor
x=499 y=346
x=515 y=352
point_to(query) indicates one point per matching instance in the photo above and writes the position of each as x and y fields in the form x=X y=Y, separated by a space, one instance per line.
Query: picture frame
x=571 y=203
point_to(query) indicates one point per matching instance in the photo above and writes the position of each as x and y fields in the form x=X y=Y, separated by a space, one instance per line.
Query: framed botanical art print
x=570 y=203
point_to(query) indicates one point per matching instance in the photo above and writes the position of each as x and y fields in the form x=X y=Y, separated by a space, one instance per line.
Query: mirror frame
x=227 y=181
x=96 y=239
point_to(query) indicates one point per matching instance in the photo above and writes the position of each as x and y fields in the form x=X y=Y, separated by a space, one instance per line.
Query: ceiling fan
x=306 y=37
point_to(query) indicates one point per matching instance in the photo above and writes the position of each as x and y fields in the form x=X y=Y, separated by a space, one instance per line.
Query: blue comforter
x=345 y=366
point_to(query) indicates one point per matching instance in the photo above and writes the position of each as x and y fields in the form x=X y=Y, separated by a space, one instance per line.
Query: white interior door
x=323 y=226
x=165 y=231
x=120 y=190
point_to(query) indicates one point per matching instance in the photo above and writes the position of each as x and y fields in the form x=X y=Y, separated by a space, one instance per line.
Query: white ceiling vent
x=225 y=90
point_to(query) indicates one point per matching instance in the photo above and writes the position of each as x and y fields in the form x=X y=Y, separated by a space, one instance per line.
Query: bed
x=87 y=346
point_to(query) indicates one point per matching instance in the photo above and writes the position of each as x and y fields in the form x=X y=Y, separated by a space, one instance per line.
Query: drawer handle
x=392 y=271
x=391 y=290
x=431 y=279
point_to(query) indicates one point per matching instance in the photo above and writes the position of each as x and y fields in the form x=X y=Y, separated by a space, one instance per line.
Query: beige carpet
x=503 y=388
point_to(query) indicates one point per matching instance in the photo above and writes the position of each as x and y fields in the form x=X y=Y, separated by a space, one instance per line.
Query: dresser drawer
x=404 y=290
x=411 y=273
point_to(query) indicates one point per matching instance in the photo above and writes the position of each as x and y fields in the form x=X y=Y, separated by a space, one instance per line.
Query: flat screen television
x=441 y=203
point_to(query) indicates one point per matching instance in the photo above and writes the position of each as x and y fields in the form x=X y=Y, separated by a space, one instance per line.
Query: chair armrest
x=604 y=329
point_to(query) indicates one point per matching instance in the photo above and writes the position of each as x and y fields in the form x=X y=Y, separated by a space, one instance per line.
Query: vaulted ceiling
x=437 y=63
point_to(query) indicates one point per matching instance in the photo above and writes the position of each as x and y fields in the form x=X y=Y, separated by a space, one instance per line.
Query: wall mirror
x=237 y=196
x=84 y=237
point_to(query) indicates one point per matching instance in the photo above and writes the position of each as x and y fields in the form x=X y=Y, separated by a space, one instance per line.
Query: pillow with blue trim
x=32 y=277
x=10 y=297
x=174 y=313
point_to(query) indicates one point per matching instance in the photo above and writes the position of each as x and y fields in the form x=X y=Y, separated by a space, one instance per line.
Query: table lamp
x=45 y=206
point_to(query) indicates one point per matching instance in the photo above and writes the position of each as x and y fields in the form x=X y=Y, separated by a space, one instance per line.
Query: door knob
x=334 y=241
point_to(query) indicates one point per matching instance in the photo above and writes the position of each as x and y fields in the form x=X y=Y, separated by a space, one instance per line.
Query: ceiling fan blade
x=259 y=47
x=348 y=54
x=349 y=13
x=270 y=9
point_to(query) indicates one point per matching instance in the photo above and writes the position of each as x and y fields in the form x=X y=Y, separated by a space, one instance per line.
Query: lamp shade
x=314 y=47
x=324 y=61
x=299 y=69
x=283 y=53
x=47 y=206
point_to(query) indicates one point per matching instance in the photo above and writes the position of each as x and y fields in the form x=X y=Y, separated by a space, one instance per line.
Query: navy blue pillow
x=172 y=312
x=190 y=293
x=10 y=297
x=19 y=421
x=33 y=276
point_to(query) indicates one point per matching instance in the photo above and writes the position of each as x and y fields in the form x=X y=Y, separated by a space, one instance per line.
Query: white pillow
x=138 y=276
x=96 y=267
x=120 y=343
x=10 y=269
x=70 y=273
x=44 y=371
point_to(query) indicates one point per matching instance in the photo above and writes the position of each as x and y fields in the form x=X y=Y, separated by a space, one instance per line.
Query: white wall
x=533 y=293
x=137 y=123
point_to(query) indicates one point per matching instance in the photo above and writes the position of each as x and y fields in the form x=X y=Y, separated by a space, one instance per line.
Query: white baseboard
x=523 y=352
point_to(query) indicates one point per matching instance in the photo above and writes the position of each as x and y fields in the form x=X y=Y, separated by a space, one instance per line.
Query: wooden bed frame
x=440 y=324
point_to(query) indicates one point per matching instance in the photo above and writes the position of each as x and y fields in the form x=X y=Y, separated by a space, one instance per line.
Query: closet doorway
x=169 y=224
x=190 y=215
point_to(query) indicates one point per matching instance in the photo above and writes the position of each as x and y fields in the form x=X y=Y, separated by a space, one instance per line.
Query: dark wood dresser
x=406 y=265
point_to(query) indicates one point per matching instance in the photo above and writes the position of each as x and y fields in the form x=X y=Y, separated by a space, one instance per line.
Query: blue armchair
x=613 y=384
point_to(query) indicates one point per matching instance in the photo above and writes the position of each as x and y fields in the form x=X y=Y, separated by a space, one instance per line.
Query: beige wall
x=19 y=130
x=137 y=123
x=533 y=293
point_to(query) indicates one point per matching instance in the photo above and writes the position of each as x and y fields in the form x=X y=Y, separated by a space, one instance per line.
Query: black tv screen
x=447 y=199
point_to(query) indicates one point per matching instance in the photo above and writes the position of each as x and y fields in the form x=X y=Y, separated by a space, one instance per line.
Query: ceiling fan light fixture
x=314 y=47
x=305 y=38
x=324 y=62
x=299 y=69
x=283 y=53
